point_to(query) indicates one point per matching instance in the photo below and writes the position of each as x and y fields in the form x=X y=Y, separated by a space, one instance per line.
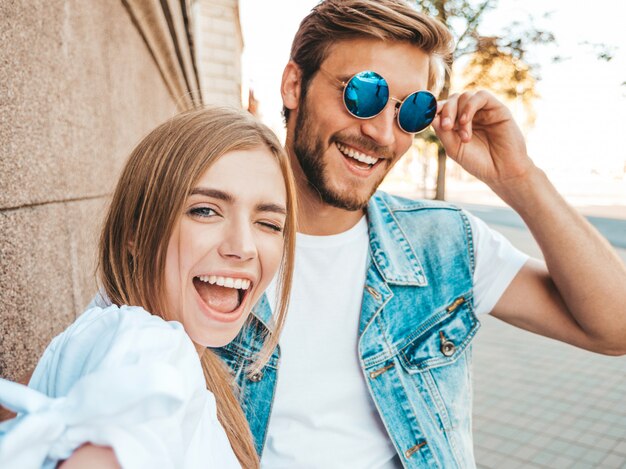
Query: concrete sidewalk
x=540 y=403
x=543 y=404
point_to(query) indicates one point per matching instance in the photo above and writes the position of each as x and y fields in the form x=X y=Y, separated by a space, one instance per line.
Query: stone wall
x=219 y=39
x=79 y=86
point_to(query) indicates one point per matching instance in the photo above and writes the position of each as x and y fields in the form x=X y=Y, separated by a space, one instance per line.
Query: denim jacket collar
x=262 y=312
x=391 y=252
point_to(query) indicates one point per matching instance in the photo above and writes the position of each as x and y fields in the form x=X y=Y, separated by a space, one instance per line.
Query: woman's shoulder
x=122 y=378
x=111 y=337
x=103 y=330
x=105 y=316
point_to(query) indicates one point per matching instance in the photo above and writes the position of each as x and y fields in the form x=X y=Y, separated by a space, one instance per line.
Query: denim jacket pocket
x=436 y=357
x=442 y=339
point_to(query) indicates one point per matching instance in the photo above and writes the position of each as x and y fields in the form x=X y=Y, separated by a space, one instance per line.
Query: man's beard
x=309 y=150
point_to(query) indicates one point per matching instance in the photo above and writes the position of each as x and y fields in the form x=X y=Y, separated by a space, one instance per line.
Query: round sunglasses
x=366 y=94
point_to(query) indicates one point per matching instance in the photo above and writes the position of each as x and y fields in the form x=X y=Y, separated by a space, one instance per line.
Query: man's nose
x=381 y=128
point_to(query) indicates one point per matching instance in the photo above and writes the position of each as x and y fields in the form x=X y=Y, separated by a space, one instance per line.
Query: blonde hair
x=388 y=20
x=149 y=197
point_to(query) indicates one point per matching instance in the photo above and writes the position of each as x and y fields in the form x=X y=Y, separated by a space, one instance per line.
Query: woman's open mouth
x=222 y=296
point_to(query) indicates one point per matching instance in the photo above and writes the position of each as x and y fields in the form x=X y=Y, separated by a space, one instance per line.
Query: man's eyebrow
x=214 y=193
x=226 y=197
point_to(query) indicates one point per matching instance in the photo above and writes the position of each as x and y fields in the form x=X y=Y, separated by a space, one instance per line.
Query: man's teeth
x=228 y=282
x=357 y=155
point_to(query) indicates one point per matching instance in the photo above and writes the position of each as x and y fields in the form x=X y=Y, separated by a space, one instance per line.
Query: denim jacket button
x=377 y=296
x=256 y=377
x=448 y=348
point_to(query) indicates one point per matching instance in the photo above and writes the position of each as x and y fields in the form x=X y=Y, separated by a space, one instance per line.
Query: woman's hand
x=91 y=456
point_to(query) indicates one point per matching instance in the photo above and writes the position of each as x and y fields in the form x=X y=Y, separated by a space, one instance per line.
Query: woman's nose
x=238 y=242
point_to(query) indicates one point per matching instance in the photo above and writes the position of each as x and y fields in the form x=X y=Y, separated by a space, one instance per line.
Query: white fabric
x=497 y=263
x=117 y=377
x=323 y=415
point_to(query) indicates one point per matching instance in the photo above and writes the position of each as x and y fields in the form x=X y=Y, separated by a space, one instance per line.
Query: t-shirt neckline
x=339 y=239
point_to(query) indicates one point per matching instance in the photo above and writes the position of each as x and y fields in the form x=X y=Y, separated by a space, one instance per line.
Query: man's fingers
x=458 y=111
x=465 y=116
x=471 y=104
x=447 y=112
x=455 y=118
x=448 y=137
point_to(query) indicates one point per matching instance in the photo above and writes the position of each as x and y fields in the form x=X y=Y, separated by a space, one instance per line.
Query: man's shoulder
x=416 y=219
x=395 y=203
x=408 y=235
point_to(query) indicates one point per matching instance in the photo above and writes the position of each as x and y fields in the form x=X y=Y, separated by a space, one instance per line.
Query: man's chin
x=349 y=201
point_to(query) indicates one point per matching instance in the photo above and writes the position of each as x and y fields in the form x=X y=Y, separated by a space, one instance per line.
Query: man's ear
x=290 y=85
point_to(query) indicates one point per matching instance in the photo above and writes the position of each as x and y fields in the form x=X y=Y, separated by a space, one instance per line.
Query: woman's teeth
x=352 y=153
x=228 y=282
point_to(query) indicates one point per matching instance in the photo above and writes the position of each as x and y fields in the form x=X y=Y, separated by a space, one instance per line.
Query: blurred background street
x=538 y=402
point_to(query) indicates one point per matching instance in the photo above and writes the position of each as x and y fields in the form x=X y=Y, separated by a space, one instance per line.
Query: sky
x=581 y=113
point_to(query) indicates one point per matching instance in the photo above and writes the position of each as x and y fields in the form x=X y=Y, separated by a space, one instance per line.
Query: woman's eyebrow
x=214 y=193
x=226 y=197
x=271 y=208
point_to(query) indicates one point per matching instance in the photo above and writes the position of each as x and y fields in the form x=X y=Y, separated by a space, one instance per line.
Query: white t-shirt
x=323 y=415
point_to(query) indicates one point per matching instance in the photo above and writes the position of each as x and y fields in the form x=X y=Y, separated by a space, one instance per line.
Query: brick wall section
x=218 y=50
x=78 y=89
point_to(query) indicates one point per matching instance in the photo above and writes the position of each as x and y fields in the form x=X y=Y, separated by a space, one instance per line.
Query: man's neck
x=317 y=218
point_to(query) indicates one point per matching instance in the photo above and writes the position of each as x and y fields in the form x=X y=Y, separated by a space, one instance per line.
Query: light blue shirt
x=117 y=377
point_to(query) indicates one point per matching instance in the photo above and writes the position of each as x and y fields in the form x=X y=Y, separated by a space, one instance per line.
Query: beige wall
x=79 y=86
x=218 y=40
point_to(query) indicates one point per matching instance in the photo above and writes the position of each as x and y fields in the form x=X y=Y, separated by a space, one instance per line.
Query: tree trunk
x=440 y=189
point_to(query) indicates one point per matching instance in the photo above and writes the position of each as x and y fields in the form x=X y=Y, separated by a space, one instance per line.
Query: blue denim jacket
x=416 y=326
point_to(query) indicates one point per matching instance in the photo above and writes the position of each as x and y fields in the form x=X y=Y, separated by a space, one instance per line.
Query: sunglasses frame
x=398 y=102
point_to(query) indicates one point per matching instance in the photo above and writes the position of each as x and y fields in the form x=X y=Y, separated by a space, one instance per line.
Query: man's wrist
x=525 y=192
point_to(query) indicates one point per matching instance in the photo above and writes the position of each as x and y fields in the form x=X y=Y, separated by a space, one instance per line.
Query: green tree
x=491 y=58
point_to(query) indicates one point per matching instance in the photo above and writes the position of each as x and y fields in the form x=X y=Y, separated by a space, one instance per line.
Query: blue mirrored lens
x=417 y=111
x=366 y=94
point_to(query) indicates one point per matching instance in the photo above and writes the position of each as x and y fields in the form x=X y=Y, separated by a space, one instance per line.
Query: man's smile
x=357 y=159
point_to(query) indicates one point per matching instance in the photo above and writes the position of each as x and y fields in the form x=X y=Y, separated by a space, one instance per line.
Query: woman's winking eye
x=272 y=226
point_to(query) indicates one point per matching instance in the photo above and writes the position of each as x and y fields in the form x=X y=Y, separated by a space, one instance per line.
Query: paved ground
x=543 y=404
x=613 y=229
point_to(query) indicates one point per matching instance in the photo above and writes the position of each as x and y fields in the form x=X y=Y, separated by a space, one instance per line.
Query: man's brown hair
x=389 y=20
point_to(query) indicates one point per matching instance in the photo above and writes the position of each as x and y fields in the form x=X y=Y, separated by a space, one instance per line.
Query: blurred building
x=80 y=84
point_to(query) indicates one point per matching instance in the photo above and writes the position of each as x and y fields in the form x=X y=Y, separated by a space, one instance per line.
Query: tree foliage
x=498 y=63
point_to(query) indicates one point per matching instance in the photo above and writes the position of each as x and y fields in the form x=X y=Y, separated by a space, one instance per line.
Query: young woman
x=202 y=219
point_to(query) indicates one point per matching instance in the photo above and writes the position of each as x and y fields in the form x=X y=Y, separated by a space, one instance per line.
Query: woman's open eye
x=202 y=212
